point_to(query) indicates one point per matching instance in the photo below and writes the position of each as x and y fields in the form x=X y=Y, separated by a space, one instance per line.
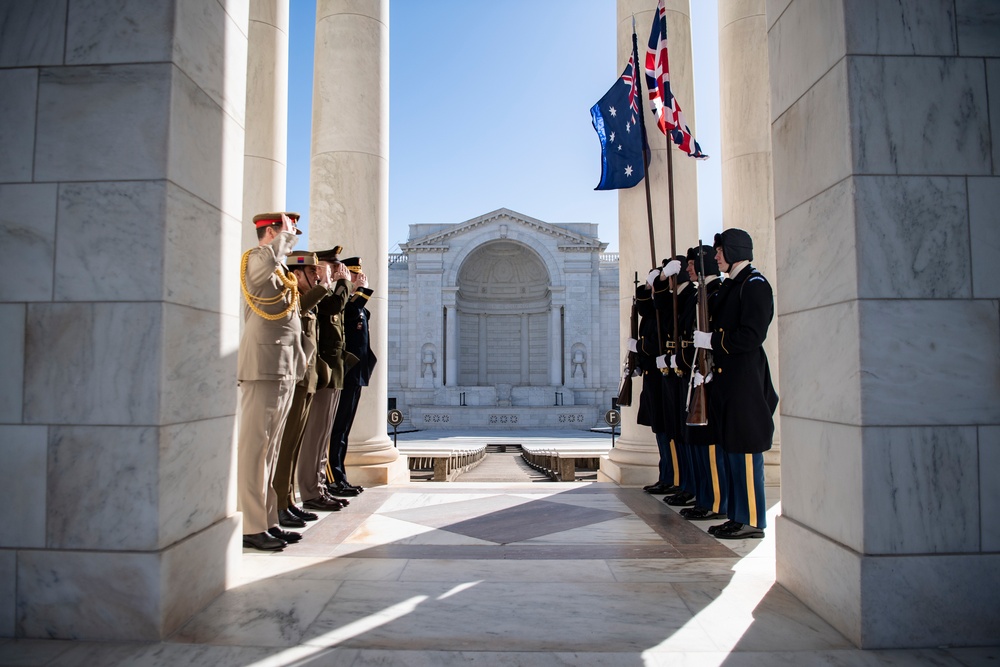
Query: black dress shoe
x=722 y=526
x=699 y=514
x=342 y=490
x=289 y=520
x=286 y=535
x=654 y=488
x=739 y=531
x=302 y=514
x=343 y=502
x=263 y=542
x=680 y=499
x=322 y=504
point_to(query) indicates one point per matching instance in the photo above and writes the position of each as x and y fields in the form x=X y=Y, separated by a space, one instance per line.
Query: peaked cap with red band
x=268 y=219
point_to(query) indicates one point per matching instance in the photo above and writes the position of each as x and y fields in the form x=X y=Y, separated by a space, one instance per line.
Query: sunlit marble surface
x=295 y=608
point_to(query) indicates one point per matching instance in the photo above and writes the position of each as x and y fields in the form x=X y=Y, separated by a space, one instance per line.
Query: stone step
x=503 y=467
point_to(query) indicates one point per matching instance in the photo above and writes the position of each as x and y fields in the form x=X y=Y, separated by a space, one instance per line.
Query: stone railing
x=561 y=464
x=397 y=259
x=446 y=464
x=609 y=257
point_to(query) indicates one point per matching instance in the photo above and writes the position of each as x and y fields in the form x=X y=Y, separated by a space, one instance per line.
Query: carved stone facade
x=503 y=321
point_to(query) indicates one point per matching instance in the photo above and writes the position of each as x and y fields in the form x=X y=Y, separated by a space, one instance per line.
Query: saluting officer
x=270 y=362
x=358 y=343
x=743 y=399
x=313 y=288
x=312 y=477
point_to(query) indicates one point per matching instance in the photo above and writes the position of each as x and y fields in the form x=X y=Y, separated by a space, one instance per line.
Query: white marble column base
x=627 y=474
x=889 y=601
x=135 y=596
x=772 y=465
x=378 y=474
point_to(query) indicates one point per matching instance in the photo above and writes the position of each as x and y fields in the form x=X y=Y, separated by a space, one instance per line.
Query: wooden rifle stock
x=698 y=407
x=625 y=390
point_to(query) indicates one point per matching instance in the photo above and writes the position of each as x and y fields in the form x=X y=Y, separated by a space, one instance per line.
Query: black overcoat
x=673 y=390
x=651 y=398
x=742 y=397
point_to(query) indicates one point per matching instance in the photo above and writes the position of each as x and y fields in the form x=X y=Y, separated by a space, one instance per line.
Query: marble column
x=886 y=202
x=747 y=195
x=266 y=153
x=451 y=337
x=556 y=351
x=349 y=193
x=634 y=460
x=121 y=177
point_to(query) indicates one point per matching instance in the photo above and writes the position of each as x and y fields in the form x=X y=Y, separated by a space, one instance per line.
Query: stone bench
x=446 y=464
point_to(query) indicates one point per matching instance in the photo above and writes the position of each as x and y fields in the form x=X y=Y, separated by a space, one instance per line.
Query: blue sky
x=490 y=107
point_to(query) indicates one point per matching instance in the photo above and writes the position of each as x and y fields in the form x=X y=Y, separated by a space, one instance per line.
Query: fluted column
x=349 y=192
x=265 y=157
x=747 y=193
x=634 y=460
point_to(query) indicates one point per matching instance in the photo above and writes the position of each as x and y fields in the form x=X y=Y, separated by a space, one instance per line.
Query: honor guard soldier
x=675 y=389
x=270 y=362
x=707 y=458
x=655 y=330
x=743 y=399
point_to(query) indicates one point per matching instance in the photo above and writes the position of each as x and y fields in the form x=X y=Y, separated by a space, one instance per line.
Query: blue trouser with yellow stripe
x=746 y=489
x=711 y=477
x=667 y=456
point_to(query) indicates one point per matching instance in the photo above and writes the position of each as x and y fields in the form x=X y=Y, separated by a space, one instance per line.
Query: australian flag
x=616 y=119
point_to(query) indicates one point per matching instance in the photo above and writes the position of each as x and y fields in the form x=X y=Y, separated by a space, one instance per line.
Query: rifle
x=698 y=407
x=628 y=367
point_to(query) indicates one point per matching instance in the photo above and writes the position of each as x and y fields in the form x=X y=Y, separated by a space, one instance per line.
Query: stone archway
x=503 y=305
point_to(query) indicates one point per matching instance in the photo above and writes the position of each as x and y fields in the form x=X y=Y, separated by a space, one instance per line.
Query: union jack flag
x=669 y=117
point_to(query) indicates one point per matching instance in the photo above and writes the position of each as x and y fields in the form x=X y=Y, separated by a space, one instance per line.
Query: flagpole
x=646 y=160
x=670 y=198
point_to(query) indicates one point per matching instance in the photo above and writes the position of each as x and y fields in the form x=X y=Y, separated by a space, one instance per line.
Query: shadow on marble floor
x=502 y=575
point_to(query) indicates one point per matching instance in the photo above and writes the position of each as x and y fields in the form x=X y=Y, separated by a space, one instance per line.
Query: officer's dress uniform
x=742 y=398
x=270 y=361
x=319 y=424
x=357 y=343
x=291 y=440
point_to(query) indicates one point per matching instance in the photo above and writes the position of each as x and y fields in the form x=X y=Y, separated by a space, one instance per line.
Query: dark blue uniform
x=358 y=343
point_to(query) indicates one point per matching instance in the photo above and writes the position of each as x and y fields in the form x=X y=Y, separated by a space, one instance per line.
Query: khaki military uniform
x=271 y=360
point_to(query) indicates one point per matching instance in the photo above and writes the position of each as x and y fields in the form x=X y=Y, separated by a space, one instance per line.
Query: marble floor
x=431 y=574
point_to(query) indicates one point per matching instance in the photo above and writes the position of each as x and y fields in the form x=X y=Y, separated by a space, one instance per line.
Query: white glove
x=652 y=276
x=703 y=339
x=661 y=361
x=283 y=243
x=700 y=379
x=672 y=268
x=673 y=361
x=633 y=345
